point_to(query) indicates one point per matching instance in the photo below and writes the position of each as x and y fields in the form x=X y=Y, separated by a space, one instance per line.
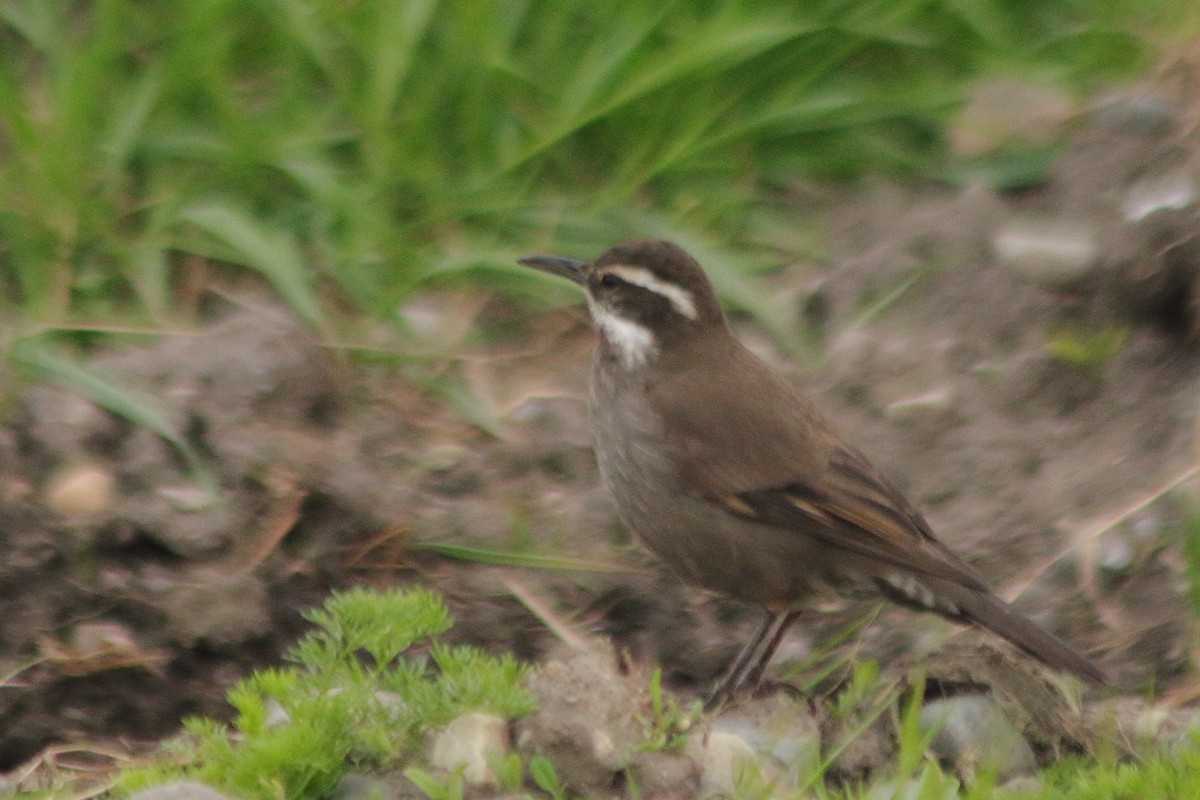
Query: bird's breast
x=629 y=448
x=698 y=540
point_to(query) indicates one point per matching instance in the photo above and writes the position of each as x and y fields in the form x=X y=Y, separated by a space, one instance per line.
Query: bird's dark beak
x=569 y=268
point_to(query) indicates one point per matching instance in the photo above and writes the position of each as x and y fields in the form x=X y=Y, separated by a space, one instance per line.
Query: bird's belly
x=699 y=541
x=738 y=558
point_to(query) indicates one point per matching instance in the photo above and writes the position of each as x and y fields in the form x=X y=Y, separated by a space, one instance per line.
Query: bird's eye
x=610 y=280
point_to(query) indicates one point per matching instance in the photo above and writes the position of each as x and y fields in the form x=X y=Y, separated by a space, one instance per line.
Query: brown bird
x=730 y=474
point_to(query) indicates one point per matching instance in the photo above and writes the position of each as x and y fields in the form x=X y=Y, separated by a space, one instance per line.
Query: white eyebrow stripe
x=679 y=298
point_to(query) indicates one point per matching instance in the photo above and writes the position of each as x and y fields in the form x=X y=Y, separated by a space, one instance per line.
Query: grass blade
x=34 y=357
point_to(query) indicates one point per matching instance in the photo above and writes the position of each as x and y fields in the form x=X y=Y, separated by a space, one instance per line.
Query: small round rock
x=180 y=790
x=972 y=731
x=80 y=490
x=466 y=743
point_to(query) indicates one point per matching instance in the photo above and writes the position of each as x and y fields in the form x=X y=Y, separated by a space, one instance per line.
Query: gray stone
x=1051 y=253
x=179 y=790
x=936 y=404
x=726 y=762
x=467 y=742
x=662 y=773
x=359 y=786
x=1174 y=190
x=971 y=732
x=911 y=789
x=216 y=605
x=780 y=729
x=583 y=723
x=80 y=490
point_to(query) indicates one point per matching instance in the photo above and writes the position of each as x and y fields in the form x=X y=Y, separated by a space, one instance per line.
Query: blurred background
x=264 y=336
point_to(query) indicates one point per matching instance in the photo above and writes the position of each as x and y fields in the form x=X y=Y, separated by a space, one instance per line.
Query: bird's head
x=644 y=295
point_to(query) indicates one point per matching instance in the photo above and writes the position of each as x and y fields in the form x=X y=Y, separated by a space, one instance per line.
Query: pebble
x=362 y=786
x=1004 y=110
x=1140 y=728
x=912 y=789
x=1144 y=114
x=726 y=761
x=189 y=498
x=933 y=405
x=1123 y=548
x=664 y=773
x=1053 y=253
x=583 y=723
x=466 y=743
x=179 y=790
x=780 y=729
x=1174 y=190
x=974 y=732
x=220 y=607
x=80 y=490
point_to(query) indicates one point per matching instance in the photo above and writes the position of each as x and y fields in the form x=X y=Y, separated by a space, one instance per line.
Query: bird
x=729 y=473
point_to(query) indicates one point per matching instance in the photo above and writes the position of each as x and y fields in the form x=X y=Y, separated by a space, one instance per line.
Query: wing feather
x=778 y=461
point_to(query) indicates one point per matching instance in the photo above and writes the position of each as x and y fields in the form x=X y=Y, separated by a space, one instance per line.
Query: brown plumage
x=732 y=476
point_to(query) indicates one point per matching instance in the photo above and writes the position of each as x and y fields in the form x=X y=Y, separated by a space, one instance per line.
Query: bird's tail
x=986 y=610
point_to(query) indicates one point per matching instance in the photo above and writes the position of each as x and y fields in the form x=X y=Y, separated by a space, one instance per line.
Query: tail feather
x=988 y=611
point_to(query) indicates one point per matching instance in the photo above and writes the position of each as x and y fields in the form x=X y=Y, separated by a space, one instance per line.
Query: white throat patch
x=634 y=342
x=680 y=299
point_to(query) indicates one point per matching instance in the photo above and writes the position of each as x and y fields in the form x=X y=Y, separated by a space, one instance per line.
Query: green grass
x=349 y=152
x=370 y=681
x=1085 y=347
x=355 y=698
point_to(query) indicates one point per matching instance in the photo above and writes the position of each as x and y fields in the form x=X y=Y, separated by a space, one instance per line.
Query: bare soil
x=1060 y=474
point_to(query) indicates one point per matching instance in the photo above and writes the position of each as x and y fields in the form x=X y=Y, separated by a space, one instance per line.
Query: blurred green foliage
x=349 y=150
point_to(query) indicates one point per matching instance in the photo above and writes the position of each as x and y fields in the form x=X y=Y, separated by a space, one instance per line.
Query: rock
x=665 y=774
x=440 y=318
x=583 y=723
x=859 y=746
x=972 y=732
x=186 y=497
x=179 y=790
x=551 y=433
x=726 y=762
x=1173 y=190
x=1003 y=110
x=216 y=606
x=66 y=425
x=1140 y=728
x=80 y=490
x=935 y=405
x=466 y=743
x=360 y=786
x=1052 y=253
x=912 y=789
x=187 y=534
x=1021 y=786
x=451 y=469
x=781 y=730
x=1135 y=111
x=1124 y=548
x=277 y=716
x=1041 y=703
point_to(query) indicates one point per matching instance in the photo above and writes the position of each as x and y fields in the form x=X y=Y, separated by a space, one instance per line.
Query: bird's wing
x=779 y=462
x=852 y=505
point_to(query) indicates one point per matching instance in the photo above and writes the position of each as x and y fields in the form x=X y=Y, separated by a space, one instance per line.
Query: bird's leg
x=783 y=621
x=751 y=662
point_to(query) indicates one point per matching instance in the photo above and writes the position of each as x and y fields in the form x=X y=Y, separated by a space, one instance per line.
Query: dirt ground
x=1024 y=364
